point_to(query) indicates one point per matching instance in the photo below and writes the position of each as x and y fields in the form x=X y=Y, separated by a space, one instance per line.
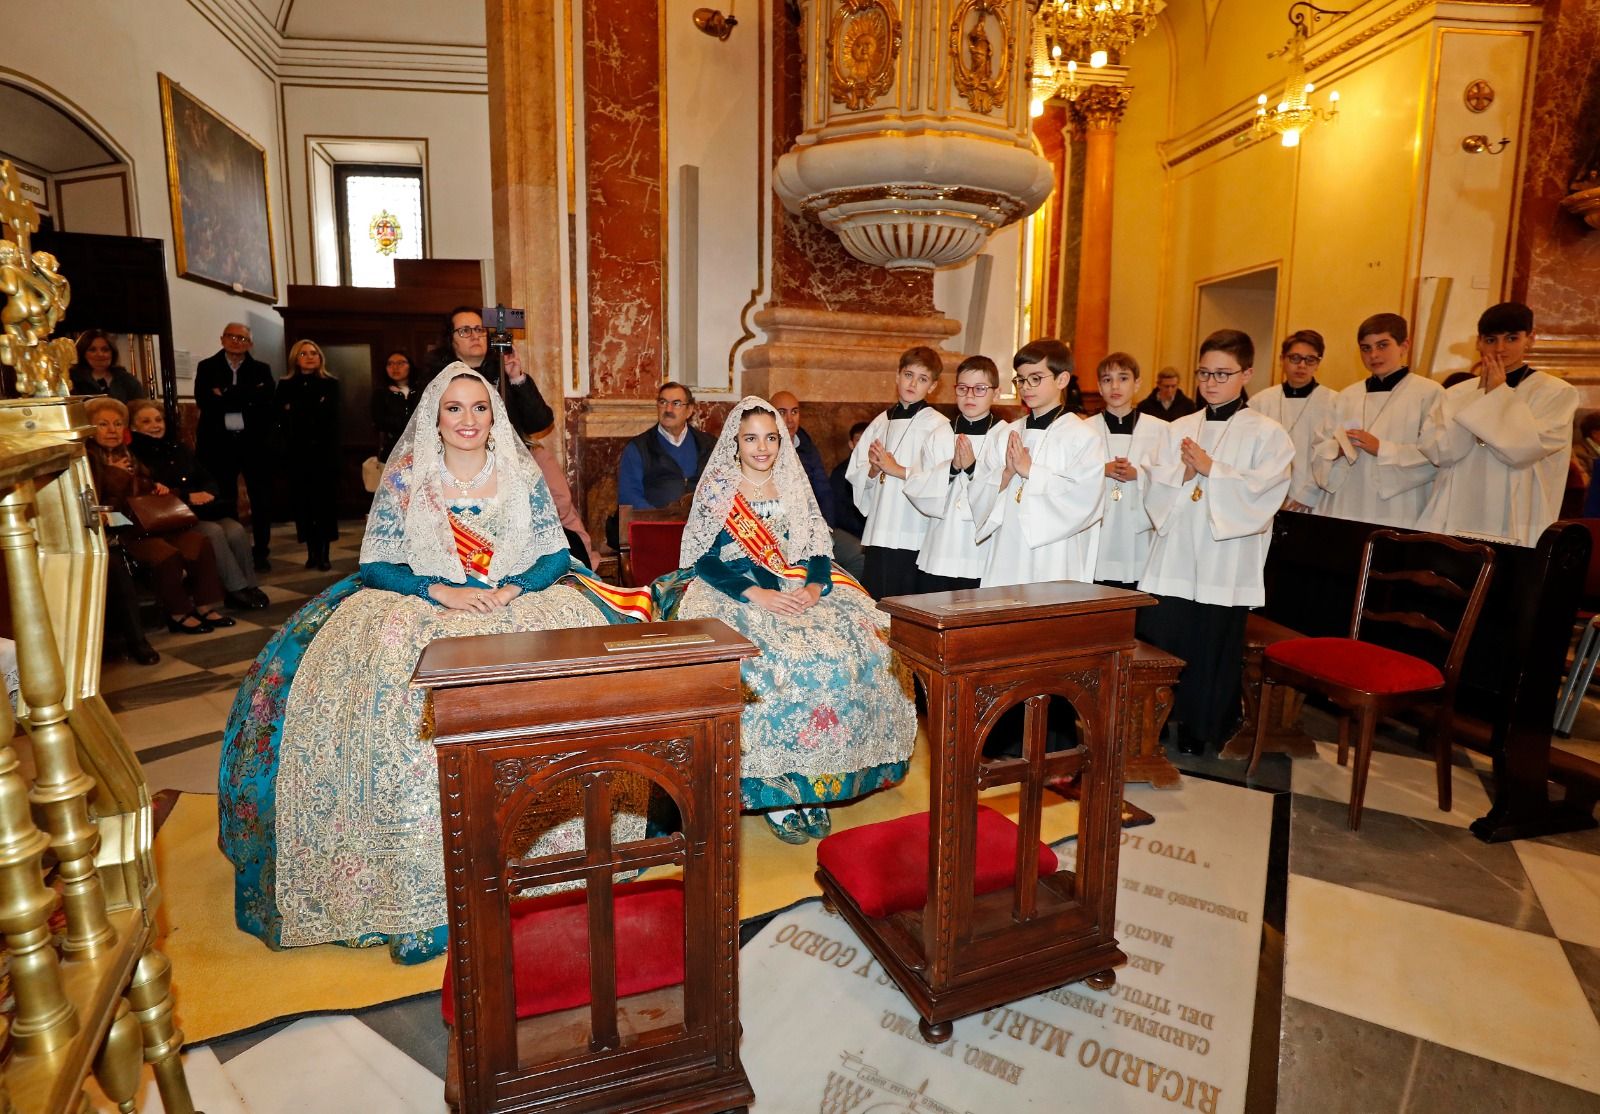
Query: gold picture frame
x=220 y=195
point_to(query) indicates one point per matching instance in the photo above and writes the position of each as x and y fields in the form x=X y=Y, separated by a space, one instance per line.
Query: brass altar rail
x=102 y=996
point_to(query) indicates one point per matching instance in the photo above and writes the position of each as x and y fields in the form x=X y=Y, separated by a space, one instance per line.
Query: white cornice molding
x=336 y=62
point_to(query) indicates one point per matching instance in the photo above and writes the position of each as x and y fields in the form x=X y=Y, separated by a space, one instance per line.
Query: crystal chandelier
x=1067 y=31
x=1293 y=113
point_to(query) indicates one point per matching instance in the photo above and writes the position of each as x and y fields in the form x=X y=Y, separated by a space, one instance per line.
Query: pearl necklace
x=756 y=488
x=467 y=485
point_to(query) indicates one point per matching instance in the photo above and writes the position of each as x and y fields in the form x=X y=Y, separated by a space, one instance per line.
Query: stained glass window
x=380 y=220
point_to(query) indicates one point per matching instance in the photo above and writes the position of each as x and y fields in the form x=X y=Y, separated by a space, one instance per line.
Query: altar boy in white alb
x=1131 y=441
x=1039 y=489
x=951 y=557
x=1300 y=405
x=1505 y=442
x=1368 y=456
x=1217 y=480
x=903 y=441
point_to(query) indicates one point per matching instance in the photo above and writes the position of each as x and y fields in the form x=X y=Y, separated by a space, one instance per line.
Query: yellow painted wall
x=1342 y=215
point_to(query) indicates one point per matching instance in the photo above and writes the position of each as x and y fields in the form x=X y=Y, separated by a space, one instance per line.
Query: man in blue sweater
x=788 y=408
x=663 y=464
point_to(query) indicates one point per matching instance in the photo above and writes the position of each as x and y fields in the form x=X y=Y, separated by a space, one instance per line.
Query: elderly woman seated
x=171 y=464
x=180 y=563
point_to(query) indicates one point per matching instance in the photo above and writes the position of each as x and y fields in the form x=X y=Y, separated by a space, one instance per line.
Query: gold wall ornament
x=863 y=46
x=1478 y=96
x=36 y=297
x=972 y=49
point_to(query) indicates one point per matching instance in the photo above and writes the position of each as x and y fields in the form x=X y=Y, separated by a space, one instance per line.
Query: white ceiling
x=447 y=22
x=41 y=135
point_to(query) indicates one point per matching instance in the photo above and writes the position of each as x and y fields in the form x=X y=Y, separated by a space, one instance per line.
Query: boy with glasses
x=951 y=558
x=1300 y=405
x=902 y=442
x=1215 y=482
x=1039 y=490
x=1368 y=456
x=1131 y=440
x=1505 y=442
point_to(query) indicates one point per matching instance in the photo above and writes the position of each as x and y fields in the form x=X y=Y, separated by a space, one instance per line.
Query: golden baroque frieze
x=975 y=28
x=863 y=46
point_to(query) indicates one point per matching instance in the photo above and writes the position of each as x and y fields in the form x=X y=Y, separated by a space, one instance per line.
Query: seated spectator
x=848 y=521
x=97 y=371
x=181 y=565
x=392 y=406
x=788 y=407
x=466 y=340
x=662 y=464
x=1167 y=402
x=171 y=464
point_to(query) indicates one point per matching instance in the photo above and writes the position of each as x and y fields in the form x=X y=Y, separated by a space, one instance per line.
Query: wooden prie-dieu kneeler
x=965 y=909
x=610 y=994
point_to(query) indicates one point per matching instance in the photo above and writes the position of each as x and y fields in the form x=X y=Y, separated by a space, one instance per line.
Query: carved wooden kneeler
x=998 y=922
x=619 y=996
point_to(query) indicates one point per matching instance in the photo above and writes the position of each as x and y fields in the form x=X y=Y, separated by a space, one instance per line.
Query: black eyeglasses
x=466 y=331
x=234 y=336
x=1302 y=361
x=1206 y=376
x=1029 y=381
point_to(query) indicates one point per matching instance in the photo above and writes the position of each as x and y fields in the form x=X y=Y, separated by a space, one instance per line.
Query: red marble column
x=1557 y=269
x=1095 y=115
x=1049 y=131
x=622 y=121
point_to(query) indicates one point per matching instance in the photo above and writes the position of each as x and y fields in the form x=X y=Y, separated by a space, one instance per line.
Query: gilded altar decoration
x=972 y=51
x=36 y=297
x=1479 y=95
x=863 y=46
x=384 y=231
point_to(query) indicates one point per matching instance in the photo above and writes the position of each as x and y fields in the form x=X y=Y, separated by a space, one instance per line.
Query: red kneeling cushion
x=1357 y=665
x=884 y=866
x=550 y=946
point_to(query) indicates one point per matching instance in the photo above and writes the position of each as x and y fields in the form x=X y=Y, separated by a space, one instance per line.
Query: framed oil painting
x=217 y=182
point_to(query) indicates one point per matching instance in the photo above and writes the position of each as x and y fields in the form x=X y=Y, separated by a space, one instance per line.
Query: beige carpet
x=227 y=981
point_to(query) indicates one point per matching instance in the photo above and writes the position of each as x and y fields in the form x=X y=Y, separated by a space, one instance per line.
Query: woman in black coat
x=97 y=371
x=392 y=405
x=308 y=428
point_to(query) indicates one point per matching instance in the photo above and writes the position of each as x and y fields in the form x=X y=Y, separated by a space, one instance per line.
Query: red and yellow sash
x=475 y=550
x=750 y=530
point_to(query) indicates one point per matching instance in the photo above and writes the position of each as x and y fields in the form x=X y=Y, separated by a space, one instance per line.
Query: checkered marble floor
x=1405 y=968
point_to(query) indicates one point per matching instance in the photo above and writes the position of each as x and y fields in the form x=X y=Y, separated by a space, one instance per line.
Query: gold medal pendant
x=1019 y=493
x=1116 y=495
x=1197 y=496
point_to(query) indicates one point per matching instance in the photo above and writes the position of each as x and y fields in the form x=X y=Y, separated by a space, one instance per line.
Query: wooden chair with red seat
x=966 y=909
x=649 y=541
x=1373 y=681
x=619 y=996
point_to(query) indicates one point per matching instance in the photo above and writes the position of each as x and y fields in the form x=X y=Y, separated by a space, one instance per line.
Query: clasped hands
x=1363 y=440
x=882 y=462
x=780 y=602
x=964 y=457
x=1019 y=462
x=1196 y=461
x=469 y=598
x=1120 y=468
x=1492 y=370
